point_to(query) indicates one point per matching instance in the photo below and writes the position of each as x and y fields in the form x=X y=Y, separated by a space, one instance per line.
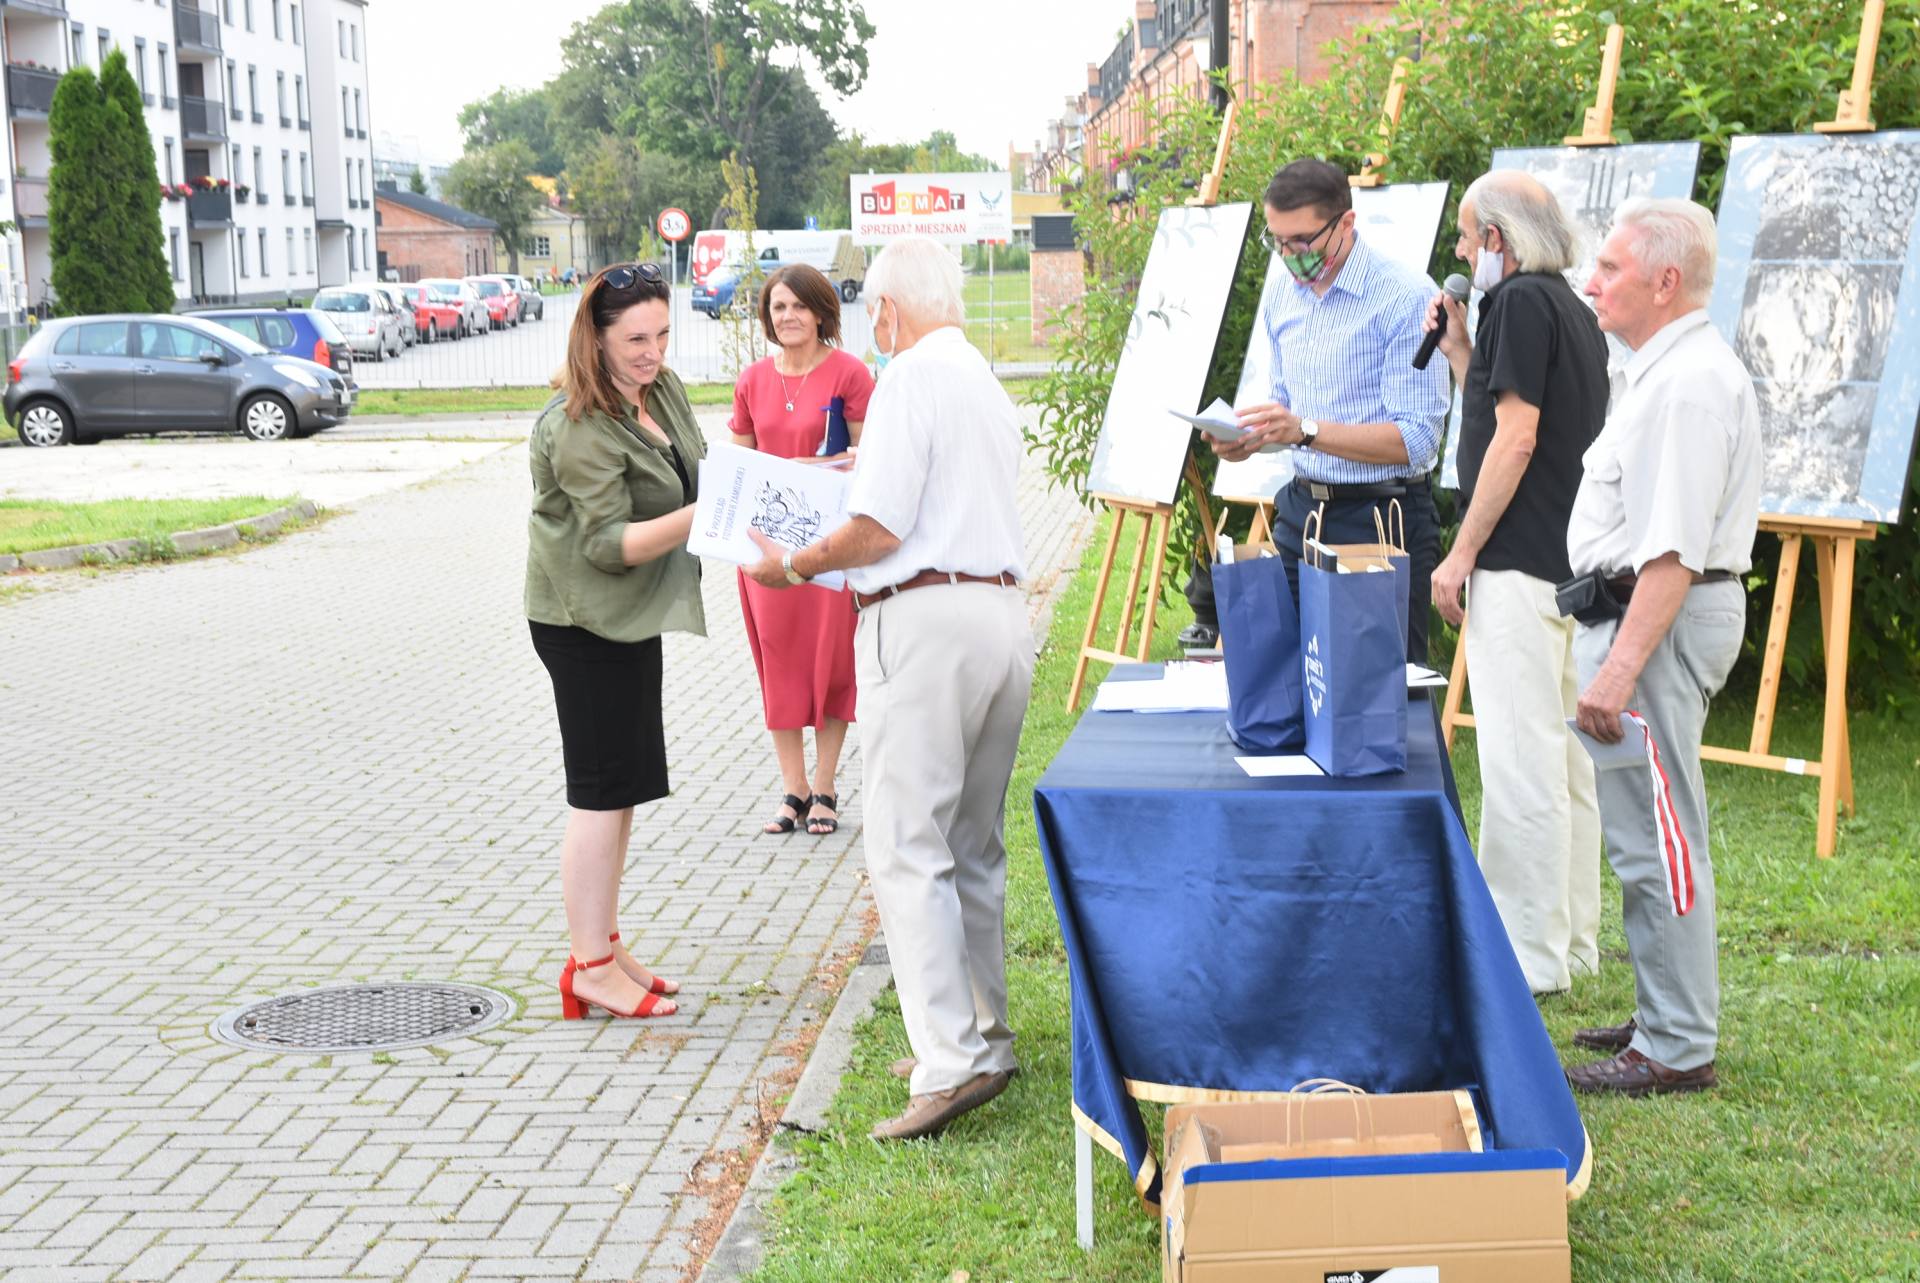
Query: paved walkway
x=334 y=759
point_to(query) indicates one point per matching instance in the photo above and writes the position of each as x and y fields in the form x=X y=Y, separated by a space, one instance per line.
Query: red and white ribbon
x=1676 y=857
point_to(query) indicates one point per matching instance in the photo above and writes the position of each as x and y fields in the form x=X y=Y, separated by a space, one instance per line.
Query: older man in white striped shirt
x=1345 y=392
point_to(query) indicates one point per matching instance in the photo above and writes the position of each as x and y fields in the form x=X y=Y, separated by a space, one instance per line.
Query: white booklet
x=789 y=502
x=1217 y=421
x=1630 y=751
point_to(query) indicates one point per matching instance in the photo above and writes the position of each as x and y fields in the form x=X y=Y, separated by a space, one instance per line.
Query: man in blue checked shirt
x=1366 y=424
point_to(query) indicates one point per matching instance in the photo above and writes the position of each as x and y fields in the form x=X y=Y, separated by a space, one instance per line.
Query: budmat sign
x=955 y=209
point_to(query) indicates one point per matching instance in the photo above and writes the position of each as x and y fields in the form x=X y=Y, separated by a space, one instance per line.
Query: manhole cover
x=375 y=1017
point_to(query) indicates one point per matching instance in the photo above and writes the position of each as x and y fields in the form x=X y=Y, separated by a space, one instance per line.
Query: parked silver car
x=533 y=304
x=367 y=317
x=409 y=319
x=472 y=308
x=87 y=377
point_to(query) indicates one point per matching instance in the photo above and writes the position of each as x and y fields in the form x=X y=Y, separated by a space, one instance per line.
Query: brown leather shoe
x=1606 y=1037
x=1632 y=1074
x=927 y=1114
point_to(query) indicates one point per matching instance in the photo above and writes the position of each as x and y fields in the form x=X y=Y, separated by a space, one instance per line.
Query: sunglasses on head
x=627 y=276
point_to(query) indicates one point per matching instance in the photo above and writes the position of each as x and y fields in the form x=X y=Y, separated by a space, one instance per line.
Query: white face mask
x=1489 y=269
x=881 y=360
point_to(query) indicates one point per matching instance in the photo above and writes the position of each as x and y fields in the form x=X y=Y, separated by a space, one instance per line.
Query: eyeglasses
x=1296 y=244
x=628 y=275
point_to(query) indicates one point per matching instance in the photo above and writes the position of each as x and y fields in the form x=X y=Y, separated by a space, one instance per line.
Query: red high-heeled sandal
x=573 y=1006
x=660 y=985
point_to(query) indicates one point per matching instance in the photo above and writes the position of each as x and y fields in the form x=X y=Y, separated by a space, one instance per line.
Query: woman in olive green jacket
x=615 y=467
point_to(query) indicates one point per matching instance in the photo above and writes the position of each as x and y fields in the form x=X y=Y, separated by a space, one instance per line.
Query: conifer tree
x=82 y=210
x=149 y=282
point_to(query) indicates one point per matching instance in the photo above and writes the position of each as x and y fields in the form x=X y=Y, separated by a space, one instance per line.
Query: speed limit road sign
x=675 y=224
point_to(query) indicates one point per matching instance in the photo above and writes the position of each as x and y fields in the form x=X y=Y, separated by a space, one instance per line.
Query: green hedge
x=1505 y=73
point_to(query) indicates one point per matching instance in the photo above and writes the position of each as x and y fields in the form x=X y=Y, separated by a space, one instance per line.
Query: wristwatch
x=1309 y=432
x=793 y=576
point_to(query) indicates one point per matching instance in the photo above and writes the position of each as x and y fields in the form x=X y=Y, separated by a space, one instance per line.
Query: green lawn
x=1800 y=1167
x=1003 y=329
x=27 y=525
x=412 y=401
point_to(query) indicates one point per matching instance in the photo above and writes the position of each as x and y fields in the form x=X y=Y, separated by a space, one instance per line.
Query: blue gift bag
x=1260 y=642
x=1353 y=660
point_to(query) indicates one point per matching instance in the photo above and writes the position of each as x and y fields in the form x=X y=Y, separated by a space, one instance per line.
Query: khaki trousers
x=944 y=674
x=1676 y=961
x=1539 y=818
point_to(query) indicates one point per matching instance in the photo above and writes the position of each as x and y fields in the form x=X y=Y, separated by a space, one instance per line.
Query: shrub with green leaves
x=1499 y=73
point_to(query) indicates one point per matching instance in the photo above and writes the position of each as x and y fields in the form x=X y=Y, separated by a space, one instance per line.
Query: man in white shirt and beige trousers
x=1665 y=518
x=944 y=660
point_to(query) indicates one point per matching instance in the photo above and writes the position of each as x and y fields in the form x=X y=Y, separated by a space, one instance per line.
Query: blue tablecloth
x=1228 y=934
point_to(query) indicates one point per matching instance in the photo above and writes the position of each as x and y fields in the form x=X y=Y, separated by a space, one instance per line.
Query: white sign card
x=789 y=502
x=954 y=209
x=1168 y=350
x=1400 y=221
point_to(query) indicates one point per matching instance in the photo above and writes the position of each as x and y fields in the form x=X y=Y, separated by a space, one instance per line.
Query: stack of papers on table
x=1182 y=688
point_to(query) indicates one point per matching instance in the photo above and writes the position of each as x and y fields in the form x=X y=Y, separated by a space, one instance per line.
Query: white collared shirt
x=1677 y=468
x=938 y=466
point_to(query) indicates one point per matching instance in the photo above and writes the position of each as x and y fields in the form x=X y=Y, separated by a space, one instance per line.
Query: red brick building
x=419 y=236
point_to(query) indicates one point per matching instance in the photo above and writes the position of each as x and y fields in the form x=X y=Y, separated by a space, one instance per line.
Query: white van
x=719 y=253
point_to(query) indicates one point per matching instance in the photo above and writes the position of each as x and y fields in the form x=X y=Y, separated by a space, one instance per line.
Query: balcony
x=197 y=30
x=30 y=201
x=210 y=209
x=30 y=92
x=201 y=119
x=35 y=8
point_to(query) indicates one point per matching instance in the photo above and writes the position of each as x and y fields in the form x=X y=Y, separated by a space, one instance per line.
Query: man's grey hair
x=922 y=278
x=1530 y=220
x=1677 y=233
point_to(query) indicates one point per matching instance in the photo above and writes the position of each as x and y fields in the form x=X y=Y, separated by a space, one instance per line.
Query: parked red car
x=502 y=300
x=433 y=317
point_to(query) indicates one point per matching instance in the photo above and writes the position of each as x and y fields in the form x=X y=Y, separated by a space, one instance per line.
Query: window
x=241 y=241
x=102 y=338
x=300 y=98
x=359 y=121
x=263 y=252
x=234 y=169
x=289 y=251
x=351 y=194
x=286 y=175
x=79 y=34
x=169 y=149
x=280 y=93
x=343 y=37
x=353 y=30
x=245 y=326
x=253 y=91
x=158 y=341
x=366 y=196
x=106 y=46
x=276 y=20
x=351 y=265
x=306 y=187
x=293 y=11
x=259 y=174
x=140 y=66
x=309 y=253
x=233 y=85
x=538 y=247
x=226 y=10
x=173 y=245
x=345 y=119
x=248 y=5
x=166 y=81
x=277 y=331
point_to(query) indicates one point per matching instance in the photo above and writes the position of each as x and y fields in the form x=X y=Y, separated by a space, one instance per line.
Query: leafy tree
x=793 y=140
x=492 y=183
x=619 y=188
x=514 y=115
x=700 y=78
x=135 y=174
x=417 y=182
x=96 y=266
x=939 y=153
x=1501 y=73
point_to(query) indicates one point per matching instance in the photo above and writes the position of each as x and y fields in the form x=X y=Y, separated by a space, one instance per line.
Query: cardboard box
x=1343 y=1189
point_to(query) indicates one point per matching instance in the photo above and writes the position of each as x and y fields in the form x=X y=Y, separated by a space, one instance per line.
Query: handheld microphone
x=1457 y=287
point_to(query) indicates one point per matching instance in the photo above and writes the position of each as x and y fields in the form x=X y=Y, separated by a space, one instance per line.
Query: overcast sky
x=993 y=78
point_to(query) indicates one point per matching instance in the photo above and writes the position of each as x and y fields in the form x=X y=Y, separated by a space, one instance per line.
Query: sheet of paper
x=1630 y=751
x=791 y=503
x=1418 y=677
x=1185 y=688
x=1284 y=766
x=1217 y=421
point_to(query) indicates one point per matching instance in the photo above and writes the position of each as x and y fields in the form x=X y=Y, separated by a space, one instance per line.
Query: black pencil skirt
x=611 y=732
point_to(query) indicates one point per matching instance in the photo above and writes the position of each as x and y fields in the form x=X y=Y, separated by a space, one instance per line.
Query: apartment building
x=260 y=107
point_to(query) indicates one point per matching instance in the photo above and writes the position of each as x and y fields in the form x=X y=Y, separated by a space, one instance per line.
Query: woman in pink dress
x=802 y=638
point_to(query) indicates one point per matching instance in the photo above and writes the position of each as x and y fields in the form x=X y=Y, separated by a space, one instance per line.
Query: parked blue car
x=296 y=331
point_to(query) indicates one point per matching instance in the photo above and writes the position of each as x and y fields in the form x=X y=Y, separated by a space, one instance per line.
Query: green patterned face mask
x=1303 y=263
x=1305 y=268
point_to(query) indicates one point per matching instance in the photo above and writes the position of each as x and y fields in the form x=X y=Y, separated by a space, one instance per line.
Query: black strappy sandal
x=785 y=824
x=827 y=823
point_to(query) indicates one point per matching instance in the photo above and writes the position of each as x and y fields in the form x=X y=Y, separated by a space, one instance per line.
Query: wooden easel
x=1852 y=116
x=1374 y=162
x=1596 y=131
x=1156 y=519
x=1834 y=544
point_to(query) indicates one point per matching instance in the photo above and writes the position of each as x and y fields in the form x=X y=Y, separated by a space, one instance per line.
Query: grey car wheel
x=433 y=332
x=266 y=417
x=45 y=423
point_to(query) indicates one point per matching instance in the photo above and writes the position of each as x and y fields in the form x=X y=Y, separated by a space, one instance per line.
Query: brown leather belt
x=1622 y=587
x=927 y=579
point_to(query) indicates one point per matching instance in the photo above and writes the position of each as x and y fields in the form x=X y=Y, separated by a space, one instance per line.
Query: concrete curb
x=401 y=420
x=187 y=541
x=741 y=1246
